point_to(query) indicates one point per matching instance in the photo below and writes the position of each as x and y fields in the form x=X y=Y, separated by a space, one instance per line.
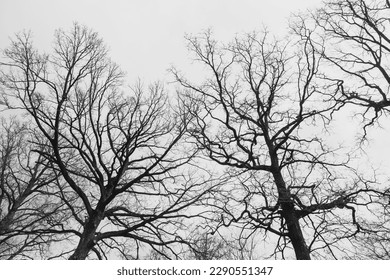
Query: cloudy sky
x=146 y=37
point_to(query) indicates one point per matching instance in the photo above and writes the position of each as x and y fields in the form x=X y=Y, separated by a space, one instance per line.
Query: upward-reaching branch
x=258 y=113
x=353 y=37
x=119 y=152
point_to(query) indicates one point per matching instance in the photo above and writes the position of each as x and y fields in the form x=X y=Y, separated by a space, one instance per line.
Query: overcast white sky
x=146 y=37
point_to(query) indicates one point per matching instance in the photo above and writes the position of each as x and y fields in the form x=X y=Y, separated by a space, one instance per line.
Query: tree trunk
x=289 y=214
x=87 y=240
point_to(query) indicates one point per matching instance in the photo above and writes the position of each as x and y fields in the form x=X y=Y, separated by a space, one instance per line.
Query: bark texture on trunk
x=87 y=240
x=290 y=215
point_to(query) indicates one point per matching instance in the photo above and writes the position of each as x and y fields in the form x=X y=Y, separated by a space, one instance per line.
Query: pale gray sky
x=146 y=36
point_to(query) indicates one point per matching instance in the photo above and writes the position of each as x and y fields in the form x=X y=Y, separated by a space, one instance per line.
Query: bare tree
x=29 y=217
x=261 y=113
x=119 y=153
x=206 y=246
x=352 y=35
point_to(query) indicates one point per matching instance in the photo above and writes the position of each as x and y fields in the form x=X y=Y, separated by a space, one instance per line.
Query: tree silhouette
x=92 y=168
x=351 y=35
x=261 y=112
x=29 y=217
x=118 y=153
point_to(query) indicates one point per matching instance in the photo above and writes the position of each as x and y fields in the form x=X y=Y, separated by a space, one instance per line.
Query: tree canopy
x=213 y=167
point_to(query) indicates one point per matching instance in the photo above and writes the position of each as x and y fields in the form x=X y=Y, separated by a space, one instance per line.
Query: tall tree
x=352 y=37
x=260 y=113
x=119 y=153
